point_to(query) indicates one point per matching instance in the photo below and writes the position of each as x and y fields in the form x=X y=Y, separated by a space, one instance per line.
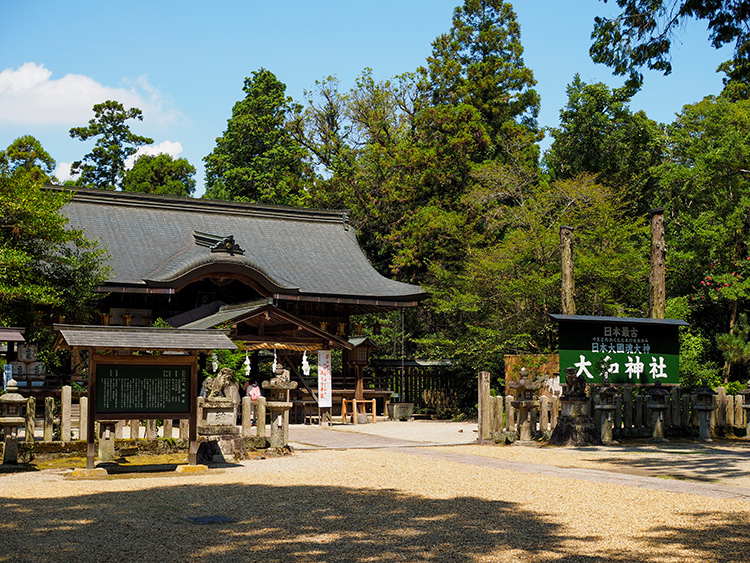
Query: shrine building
x=285 y=279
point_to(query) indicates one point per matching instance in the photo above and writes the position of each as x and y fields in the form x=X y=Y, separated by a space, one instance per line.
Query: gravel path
x=370 y=505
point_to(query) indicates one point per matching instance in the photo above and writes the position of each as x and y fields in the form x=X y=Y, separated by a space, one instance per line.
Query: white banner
x=7 y=375
x=325 y=395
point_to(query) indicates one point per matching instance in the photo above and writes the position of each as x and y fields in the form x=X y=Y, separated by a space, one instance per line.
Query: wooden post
x=30 y=418
x=484 y=404
x=627 y=399
x=49 y=419
x=90 y=433
x=83 y=421
x=193 y=424
x=568 y=281
x=510 y=414
x=657 y=291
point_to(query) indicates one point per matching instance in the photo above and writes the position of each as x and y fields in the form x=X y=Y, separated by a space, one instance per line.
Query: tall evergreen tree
x=257 y=159
x=479 y=62
x=104 y=166
x=642 y=34
x=599 y=135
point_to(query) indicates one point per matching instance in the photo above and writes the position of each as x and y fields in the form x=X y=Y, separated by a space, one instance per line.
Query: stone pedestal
x=218 y=417
x=704 y=423
x=576 y=426
x=106 y=437
x=525 y=423
x=606 y=427
x=657 y=421
x=221 y=441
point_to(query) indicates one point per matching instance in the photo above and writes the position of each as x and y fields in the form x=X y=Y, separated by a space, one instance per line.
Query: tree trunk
x=657 y=290
x=568 y=282
x=732 y=323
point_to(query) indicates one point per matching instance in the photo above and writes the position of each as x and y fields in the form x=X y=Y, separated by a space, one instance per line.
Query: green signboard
x=632 y=351
x=143 y=389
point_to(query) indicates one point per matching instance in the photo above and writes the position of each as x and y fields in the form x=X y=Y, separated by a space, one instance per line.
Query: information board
x=633 y=351
x=142 y=388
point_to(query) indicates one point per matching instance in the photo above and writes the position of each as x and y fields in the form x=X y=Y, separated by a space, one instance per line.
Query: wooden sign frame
x=190 y=360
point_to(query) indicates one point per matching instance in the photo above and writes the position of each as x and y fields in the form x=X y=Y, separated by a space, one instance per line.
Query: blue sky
x=184 y=63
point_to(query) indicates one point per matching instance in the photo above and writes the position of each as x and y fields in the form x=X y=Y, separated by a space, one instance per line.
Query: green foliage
x=479 y=62
x=42 y=262
x=599 y=135
x=26 y=156
x=257 y=159
x=641 y=35
x=705 y=186
x=232 y=359
x=104 y=166
x=499 y=303
x=161 y=175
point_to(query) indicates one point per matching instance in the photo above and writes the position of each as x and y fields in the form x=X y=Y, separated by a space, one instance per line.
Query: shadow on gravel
x=704 y=464
x=311 y=524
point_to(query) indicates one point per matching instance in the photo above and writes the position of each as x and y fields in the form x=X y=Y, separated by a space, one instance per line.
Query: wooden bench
x=358 y=407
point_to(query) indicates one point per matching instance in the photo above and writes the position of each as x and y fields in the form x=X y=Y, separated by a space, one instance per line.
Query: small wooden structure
x=160 y=382
x=11 y=336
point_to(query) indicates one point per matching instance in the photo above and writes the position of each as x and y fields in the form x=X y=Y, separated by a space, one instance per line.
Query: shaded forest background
x=442 y=171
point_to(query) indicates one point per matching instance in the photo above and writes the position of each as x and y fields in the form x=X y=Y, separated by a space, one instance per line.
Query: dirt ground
x=427 y=504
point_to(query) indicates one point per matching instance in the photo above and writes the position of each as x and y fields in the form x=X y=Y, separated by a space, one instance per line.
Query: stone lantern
x=11 y=403
x=703 y=402
x=658 y=404
x=278 y=404
x=525 y=402
x=607 y=396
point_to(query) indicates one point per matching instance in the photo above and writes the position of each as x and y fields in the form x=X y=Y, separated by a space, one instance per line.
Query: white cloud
x=29 y=95
x=173 y=149
x=62 y=172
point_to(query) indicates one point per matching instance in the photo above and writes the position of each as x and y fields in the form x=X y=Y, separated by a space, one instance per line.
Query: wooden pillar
x=359 y=384
x=90 y=433
x=193 y=426
x=657 y=291
x=568 y=282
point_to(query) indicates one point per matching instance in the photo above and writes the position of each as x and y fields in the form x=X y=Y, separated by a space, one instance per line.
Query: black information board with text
x=142 y=388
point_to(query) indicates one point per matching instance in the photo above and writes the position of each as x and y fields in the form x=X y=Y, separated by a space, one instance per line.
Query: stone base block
x=80 y=473
x=222 y=449
x=575 y=431
x=191 y=468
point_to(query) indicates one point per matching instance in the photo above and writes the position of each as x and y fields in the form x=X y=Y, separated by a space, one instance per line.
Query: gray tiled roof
x=290 y=251
x=141 y=338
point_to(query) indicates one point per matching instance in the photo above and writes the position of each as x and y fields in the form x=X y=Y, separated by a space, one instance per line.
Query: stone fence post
x=485 y=411
x=65 y=412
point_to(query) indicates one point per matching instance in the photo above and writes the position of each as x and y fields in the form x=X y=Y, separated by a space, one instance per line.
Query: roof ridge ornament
x=218 y=243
